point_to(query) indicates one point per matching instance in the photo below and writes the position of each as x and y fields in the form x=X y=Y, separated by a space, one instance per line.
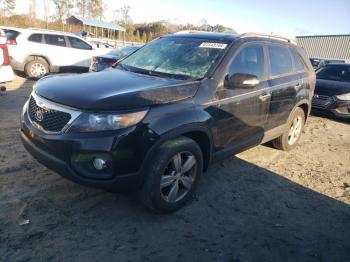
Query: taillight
x=93 y=60
x=5 y=53
x=11 y=42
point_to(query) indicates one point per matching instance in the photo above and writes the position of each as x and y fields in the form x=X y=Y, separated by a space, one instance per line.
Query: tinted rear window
x=299 y=65
x=35 y=38
x=55 y=40
x=280 y=60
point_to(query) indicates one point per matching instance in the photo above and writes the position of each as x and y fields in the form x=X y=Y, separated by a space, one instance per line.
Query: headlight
x=91 y=122
x=343 y=96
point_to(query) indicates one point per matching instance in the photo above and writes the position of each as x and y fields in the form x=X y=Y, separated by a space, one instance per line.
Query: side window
x=78 y=44
x=57 y=40
x=280 y=60
x=35 y=38
x=250 y=60
x=299 y=65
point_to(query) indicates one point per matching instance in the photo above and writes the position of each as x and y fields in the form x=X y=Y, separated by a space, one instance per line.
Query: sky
x=285 y=17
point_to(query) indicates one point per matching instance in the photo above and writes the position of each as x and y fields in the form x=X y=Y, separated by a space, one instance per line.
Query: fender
x=34 y=56
x=184 y=130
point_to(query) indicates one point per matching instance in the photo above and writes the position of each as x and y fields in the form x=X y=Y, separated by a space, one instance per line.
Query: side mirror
x=241 y=81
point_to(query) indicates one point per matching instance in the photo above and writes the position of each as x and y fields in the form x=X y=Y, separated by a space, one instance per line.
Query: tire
x=289 y=139
x=172 y=153
x=37 y=68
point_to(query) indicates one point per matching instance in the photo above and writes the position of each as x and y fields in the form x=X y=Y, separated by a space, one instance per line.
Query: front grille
x=48 y=119
x=320 y=101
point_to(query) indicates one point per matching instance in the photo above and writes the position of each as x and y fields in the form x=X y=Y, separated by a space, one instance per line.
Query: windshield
x=123 y=51
x=335 y=73
x=185 y=58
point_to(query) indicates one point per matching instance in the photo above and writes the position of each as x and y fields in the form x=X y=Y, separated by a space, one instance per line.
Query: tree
x=32 y=12
x=96 y=9
x=82 y=6
x=137 y=36
x=63 y=8
x=46 y=13
x=7 y=7
x=144 y=37
x=149 y=37
x=221 y=28
x=122 y=15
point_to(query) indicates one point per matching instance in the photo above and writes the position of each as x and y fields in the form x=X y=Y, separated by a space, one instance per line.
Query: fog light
x=99 y=163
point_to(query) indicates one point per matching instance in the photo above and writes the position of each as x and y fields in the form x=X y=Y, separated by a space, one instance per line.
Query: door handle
x=298 y=85
x=265 y=96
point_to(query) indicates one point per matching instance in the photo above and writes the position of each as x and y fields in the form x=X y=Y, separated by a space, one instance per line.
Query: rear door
x=242 y=112
x=284 y=84
x=56 y=50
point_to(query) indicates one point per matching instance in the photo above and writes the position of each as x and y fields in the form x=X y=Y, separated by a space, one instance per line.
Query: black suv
x=157 y=119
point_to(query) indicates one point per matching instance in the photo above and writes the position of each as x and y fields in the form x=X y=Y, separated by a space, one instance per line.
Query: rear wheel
x=173 y=175
x=37 y=68
x=290 y=137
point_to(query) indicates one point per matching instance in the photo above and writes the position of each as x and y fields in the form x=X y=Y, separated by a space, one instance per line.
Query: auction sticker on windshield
x=213 y=45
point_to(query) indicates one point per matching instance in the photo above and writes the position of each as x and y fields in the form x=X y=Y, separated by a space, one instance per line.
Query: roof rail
x=278 y=37
x=48 y=30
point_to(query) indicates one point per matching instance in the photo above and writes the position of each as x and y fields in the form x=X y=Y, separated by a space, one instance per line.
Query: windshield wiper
x=123 y=67
x=153 y=73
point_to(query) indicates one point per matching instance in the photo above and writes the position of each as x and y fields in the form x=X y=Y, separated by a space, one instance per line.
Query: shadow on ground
x=241 y=212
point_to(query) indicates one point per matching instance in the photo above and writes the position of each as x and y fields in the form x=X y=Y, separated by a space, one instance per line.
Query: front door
x=242 y=112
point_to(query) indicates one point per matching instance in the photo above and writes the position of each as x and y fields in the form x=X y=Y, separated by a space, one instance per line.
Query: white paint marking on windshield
x=213 y=45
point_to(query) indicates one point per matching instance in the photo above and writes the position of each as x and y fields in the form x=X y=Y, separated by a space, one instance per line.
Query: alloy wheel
x=179 y=176
x=295 y=130
x=38 y=70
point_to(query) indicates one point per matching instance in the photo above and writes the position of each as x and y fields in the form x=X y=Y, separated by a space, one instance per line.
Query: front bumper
x=331 y=105
x=71 y=155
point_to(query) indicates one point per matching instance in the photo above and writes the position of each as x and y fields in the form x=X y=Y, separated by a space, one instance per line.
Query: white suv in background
x=6 y=73
x=38 y=52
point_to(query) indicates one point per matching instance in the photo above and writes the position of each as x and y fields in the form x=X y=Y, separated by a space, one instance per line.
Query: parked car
x=99 y=44
x=99 y=63
x=168 y=110
x=39 y=52
x=319 y=62
x=332 y=93
x=6 y=73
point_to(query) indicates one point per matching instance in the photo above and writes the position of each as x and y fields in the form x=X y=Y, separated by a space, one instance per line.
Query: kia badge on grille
x=39 y=115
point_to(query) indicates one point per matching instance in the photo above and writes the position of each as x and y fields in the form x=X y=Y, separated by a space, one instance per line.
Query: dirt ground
x=261 y=205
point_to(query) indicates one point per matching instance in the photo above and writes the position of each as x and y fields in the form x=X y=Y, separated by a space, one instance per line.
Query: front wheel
x=172 y=175
x=291 y=135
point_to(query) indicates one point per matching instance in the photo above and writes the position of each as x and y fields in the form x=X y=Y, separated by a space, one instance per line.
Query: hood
x=113 y=89
x=331 y=88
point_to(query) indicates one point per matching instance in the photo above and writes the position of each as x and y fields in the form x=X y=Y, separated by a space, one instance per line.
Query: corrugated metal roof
x=93 y=22
x=326 y=46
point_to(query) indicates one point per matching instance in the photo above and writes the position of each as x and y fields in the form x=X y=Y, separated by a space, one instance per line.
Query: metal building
x=98 y=28
x=336 y=47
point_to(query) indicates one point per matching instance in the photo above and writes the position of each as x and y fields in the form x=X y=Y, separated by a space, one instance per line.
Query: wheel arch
x=198 y=133
x=32 y=57
x=305 y=106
